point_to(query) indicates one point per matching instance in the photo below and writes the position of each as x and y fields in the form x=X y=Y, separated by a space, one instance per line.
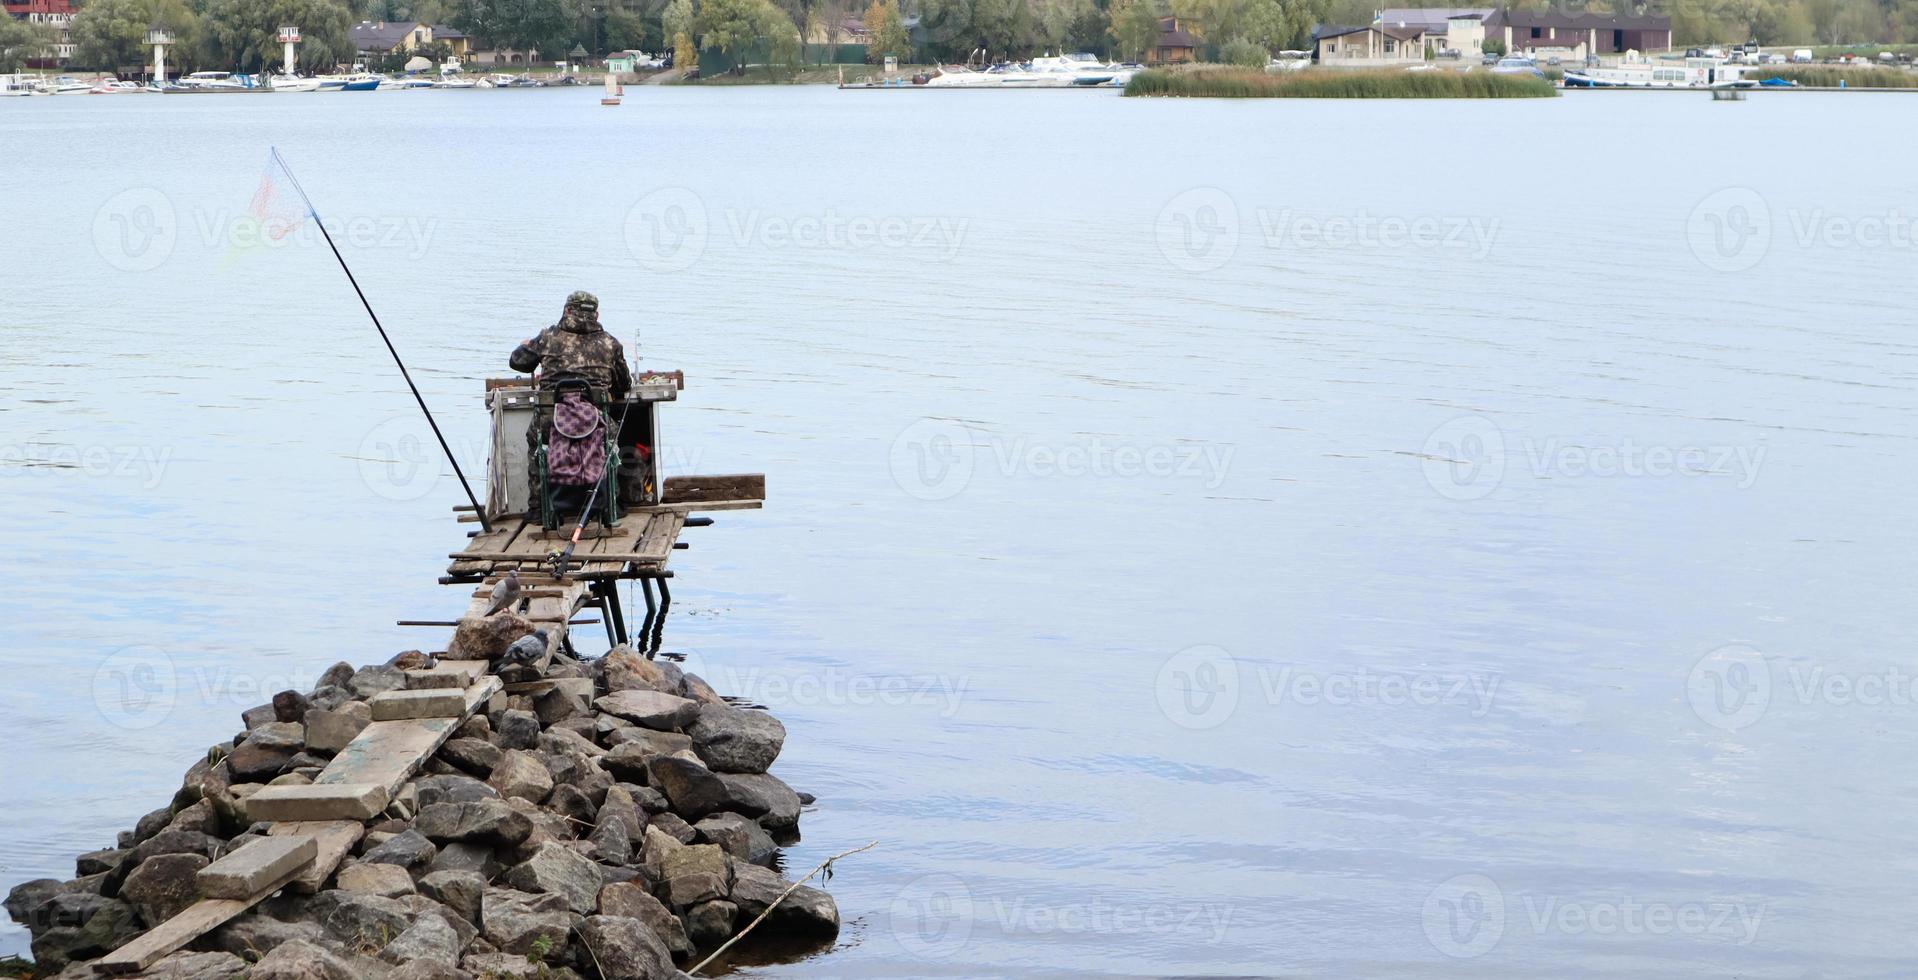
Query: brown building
x=1175 y=45
x=1526 y=31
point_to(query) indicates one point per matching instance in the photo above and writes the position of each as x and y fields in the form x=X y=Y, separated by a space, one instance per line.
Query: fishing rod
x=478 y=511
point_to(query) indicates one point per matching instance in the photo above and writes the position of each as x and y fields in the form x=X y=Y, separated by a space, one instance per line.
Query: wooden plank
x=335 y=839
x=700 y=489
x=199 y=919
x=387 y=753
x=256 y=864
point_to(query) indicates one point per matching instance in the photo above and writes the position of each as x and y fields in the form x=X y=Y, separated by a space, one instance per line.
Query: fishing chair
x=606 y=502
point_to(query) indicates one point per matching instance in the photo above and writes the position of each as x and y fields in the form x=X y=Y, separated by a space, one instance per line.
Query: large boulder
x=481 y=821
x=250 y=937
x=515 y=921
x=653 y=709
x=410 y=850
x=624 y=949
x=473 y=755
x=362 y=922
x=302 y=960
x=451 y=789
x=556 y=869
x=370 y=681
x=521 y=774
x=625 y=671
x=429 y=938
x=184 y=965
x=487 y=637
x=807 y=913
x=693 y=790
x=163 y=886
x=518 y=729
x=730 y=739
x=764 y=797
x=384 y=880
x=711 y=923
x=266 y=752
x=695 y=873
x=739 y=836
x=461 y=856
x=626 y=899
x=331 y=729
x=27 y=896
x=460 y=891
x=79 y=926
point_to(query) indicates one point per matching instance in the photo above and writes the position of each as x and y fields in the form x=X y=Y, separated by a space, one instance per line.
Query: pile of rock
x=609 y=825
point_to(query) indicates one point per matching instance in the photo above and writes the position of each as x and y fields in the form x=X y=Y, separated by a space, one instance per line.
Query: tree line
x=241 y=34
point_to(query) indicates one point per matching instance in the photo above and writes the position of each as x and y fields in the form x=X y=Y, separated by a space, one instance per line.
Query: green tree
x=1244 y=53
x=1005 y=27
x=521 y=25
x=244 y=33
x=21 y=40
x=886 y=32
x=625 y=31
x=1055 y=21
x=1135 y=26
x=677 y=19
x=110 y=35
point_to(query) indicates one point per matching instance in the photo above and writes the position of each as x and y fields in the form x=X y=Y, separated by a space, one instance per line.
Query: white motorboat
x=66 y=85
x=457 y=83
x=1636 y=71
x=17 y=85
x=1079 y=68
x=112 y=86
x=292 y=83
x=214 y=81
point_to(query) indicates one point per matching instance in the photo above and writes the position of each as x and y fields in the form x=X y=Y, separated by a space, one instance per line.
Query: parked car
x=1801 y=56
x=1553 y=60
x=1490 y=59
x=1449 y=54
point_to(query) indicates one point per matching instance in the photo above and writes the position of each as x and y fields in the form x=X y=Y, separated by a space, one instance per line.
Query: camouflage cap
x=582 y=298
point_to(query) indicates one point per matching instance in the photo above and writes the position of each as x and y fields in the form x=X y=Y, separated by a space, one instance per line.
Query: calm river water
x=1335 y=539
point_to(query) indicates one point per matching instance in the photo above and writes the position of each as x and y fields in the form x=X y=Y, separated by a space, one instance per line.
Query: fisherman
x=576 y=347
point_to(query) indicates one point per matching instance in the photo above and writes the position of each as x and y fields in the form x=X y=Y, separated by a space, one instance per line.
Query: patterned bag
x=576 y=444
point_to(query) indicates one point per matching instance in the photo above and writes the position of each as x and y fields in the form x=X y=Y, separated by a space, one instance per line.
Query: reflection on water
x=1335 y=539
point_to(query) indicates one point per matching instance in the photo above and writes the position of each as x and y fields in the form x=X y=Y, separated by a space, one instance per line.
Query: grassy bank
x=1336 y=83
x=1830 y=76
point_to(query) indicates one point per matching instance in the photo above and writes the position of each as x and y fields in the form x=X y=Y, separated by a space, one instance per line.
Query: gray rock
x=301 y=960
x=569 y=738
x=335 y=676
x=504 y=966
x=452 y=789
x=518 y=730
x=184 y=965
x=611 y=843
x=473 y=755
x=163 y=886
x=429 y=938
x=384 y=880
x=361 y=922
x=514 y=921
x=369 y=681
x=428 y=970
x=764 y=797
x=259 y=714
x=571 y=802
x=329 y=696
x=409 y=850
x=250 y=937
x=556 y=869
x=651 y=709
x=659 y=743
x=807 y=913
x=668 y=822
x=27 y=896
x=739 y=836
x=476 y=859
x=474 y=727
x=460 y=891
x=174 y=842
x=730 y=739
x=290 y=706
x=695 y=873
x=100 y=862
x=329 y=730
x=625 y=949
x=481 y=821
x=620 y=803
x=79 y=926
x=265 y=753
x=693 y=790
x=711 y=923
x=555 y=706
x=521 y=774
x=152 y=824
x=631 y=901
x=694 y=687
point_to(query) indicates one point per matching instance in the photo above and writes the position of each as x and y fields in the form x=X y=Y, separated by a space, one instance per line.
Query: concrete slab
x=245 y=872
x=407 y=705
x=331 y=801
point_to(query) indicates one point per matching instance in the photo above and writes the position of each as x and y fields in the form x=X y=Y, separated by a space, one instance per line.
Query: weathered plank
x=256 y=865
x=334 y=840
x=428 y=703
x=387 y=753
x=200 y=918
x=357 y=800
x=701 y=489
x=445 y=674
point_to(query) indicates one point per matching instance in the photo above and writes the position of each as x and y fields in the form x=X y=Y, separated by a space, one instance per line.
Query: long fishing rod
x=479 y=511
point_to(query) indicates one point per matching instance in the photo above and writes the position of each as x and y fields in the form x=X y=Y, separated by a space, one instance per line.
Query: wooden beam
x=199 y=919
x=335 y=839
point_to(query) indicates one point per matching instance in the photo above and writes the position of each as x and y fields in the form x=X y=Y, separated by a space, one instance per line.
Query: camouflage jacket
x=577 y=345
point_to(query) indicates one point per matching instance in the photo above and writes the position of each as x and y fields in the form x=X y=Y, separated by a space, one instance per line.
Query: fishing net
x=276 y=213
